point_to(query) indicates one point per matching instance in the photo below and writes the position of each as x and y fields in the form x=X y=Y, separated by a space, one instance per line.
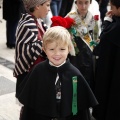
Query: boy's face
x=42 y=10
x=83 y=6
x=115 y=11
x=56 y=54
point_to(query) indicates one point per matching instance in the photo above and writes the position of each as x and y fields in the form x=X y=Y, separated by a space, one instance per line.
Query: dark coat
x=12 y=9
x=66 y=7
x=39 y=91
x=84 y=61
x=107 y=78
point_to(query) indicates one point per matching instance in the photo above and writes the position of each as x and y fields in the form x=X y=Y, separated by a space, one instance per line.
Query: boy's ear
x=37 y=7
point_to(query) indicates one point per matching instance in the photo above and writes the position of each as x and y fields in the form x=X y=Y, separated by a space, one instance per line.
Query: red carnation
x=64 y=22
x=70 y=22
x=96 y=17
x=58 y=21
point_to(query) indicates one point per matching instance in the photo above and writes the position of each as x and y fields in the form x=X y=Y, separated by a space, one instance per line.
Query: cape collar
x=61 y=68
x=56 y=66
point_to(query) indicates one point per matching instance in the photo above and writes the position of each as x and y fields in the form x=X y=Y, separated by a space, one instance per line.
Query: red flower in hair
x=67 y=23
x=64 y=22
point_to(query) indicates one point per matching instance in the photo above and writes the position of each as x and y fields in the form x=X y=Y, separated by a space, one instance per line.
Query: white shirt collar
x=58 y=65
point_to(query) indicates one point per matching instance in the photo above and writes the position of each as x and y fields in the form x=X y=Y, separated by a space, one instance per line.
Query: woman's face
x=83 y=6
x=42 y=10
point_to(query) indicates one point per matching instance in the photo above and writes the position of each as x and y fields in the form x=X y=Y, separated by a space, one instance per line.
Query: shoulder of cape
x=73 y=12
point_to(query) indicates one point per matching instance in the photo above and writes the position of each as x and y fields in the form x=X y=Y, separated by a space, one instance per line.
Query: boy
x=55 y=89
x=107 y=74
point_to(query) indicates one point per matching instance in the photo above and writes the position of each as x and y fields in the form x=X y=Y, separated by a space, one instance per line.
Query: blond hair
x=60 y=35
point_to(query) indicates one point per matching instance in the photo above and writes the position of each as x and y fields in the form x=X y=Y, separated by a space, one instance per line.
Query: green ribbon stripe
x=74 y=100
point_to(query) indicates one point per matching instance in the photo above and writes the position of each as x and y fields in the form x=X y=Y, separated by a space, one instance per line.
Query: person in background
x=55 y=89
x=94 y=9
x=66 y=7
x=103 y=8
x=84 y=26
x=55 y=7
x=107 y=75
x=12 y=10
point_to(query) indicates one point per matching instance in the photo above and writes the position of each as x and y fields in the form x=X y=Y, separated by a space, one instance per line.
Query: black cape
x=84 y=61
x=39 y=90
x=107 y=77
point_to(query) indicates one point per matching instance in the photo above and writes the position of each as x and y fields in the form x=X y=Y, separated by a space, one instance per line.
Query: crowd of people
x=52 y=83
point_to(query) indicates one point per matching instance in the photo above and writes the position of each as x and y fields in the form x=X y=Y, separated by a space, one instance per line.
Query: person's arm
x=107 y=20
x=28 y=43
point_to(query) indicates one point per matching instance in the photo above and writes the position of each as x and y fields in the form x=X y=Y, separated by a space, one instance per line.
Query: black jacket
x=39 y=91
x=107 y=75
x=12 y=9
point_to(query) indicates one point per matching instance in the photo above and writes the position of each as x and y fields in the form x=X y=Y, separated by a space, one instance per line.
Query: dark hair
x=115 y=3
x=76 y=1
x=32 y=9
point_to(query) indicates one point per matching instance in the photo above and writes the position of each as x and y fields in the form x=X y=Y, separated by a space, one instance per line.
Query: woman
x=84 y=26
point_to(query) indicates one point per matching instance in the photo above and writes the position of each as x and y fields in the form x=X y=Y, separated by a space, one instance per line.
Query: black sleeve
x=96 y=50
x=86 y=97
